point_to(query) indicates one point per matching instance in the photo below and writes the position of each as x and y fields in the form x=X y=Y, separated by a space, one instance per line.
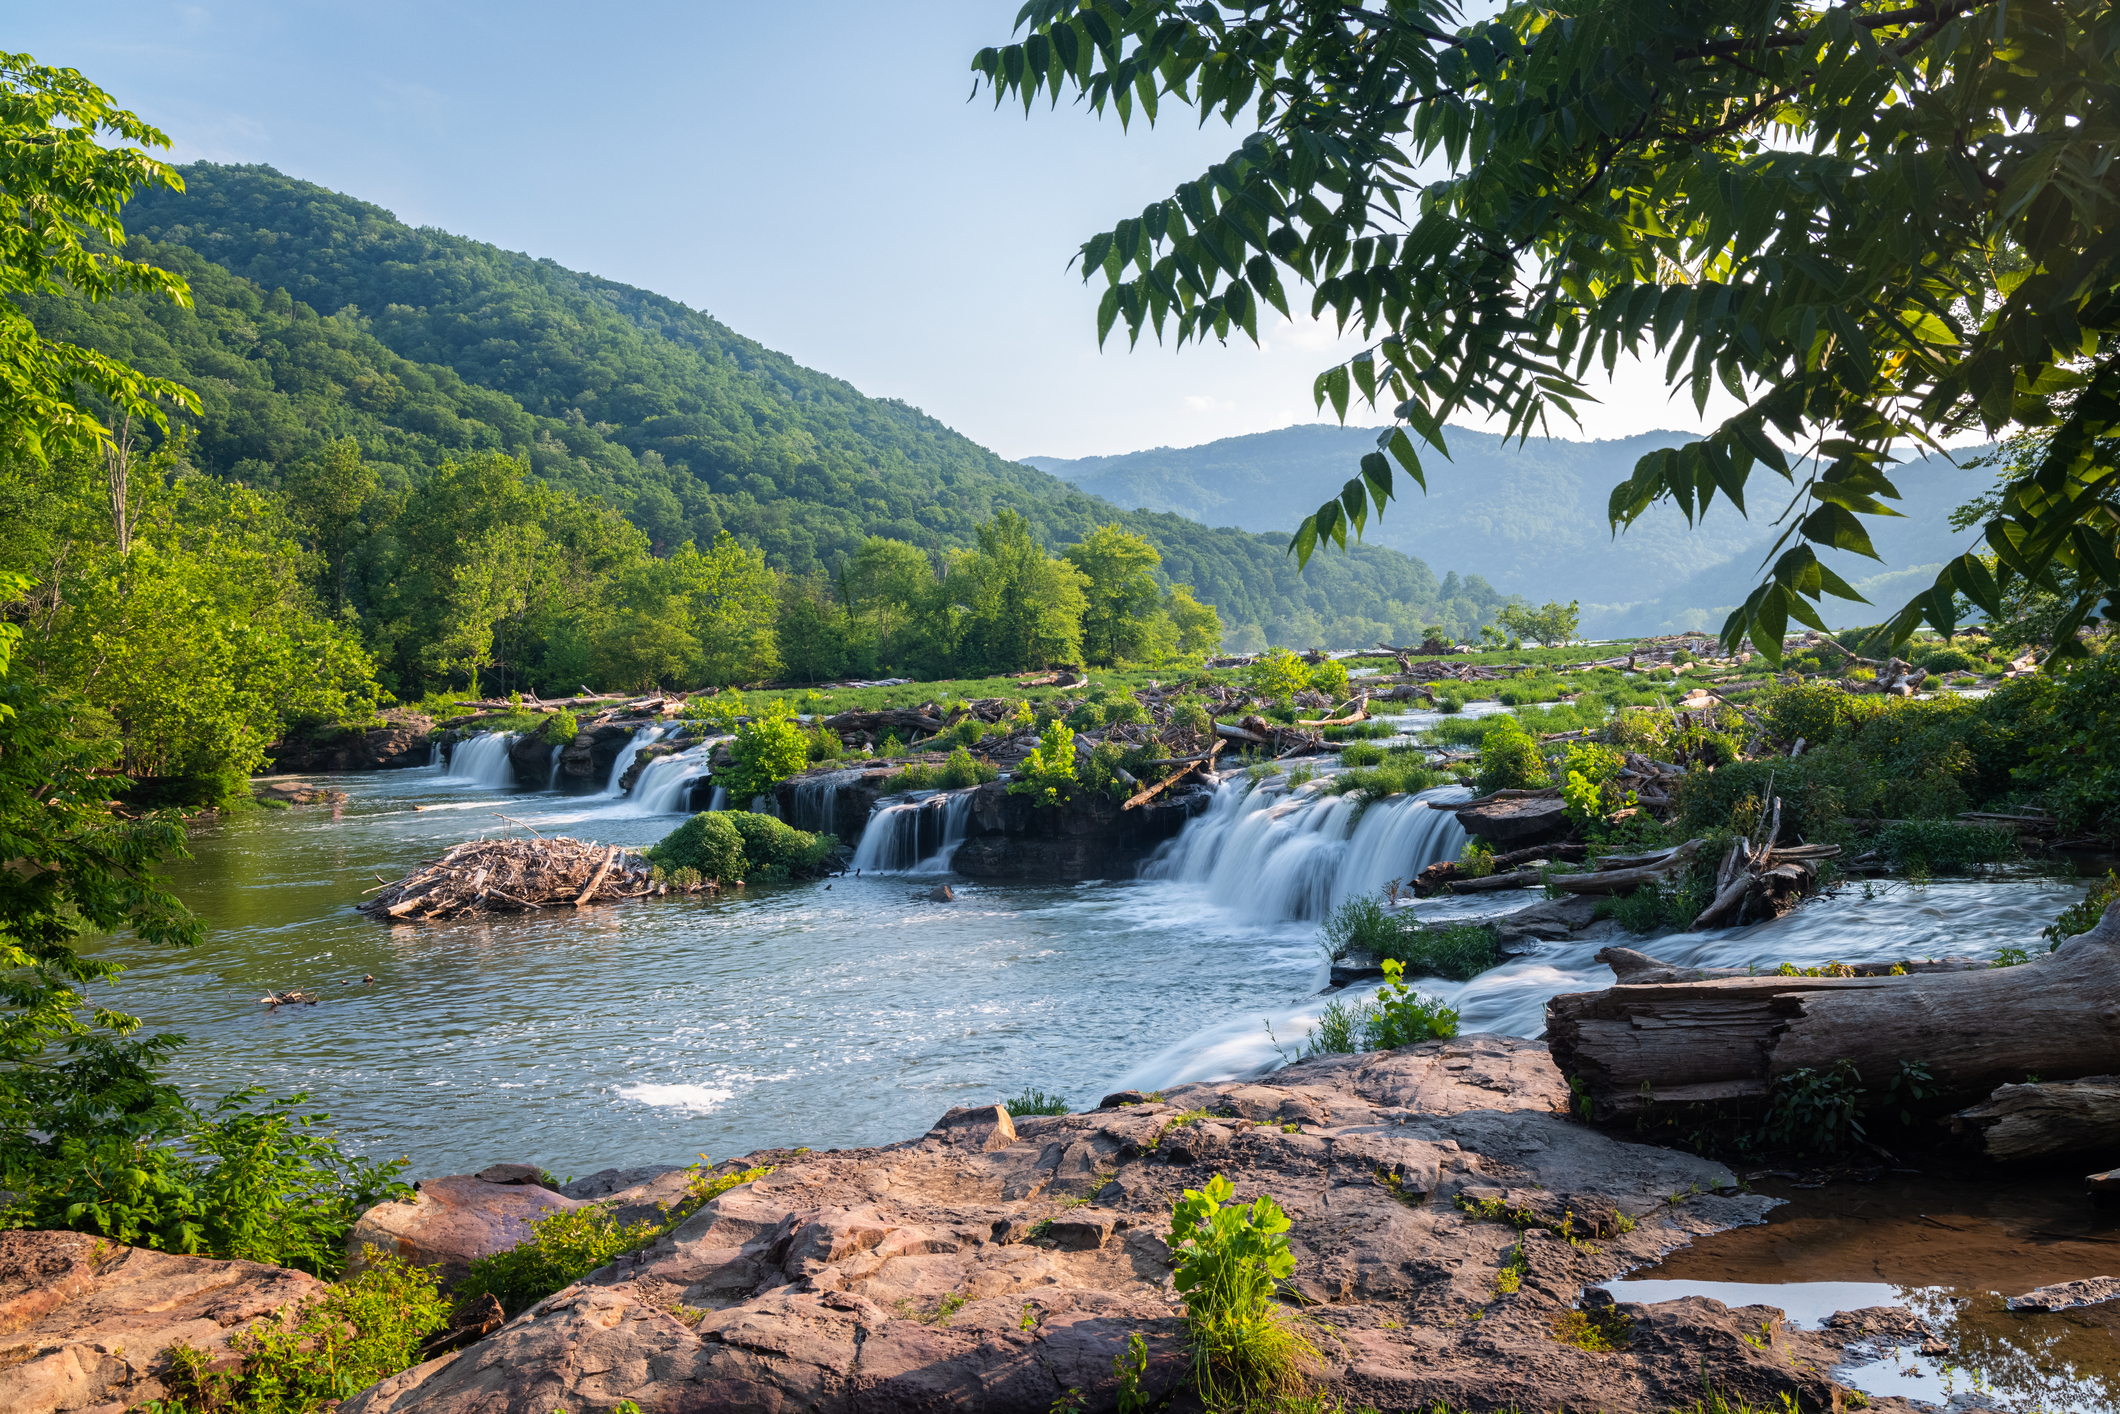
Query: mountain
x=1531 y=518
x=318 y=316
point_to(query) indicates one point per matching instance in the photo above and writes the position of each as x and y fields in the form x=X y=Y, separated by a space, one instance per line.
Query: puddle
x=1948 y=1249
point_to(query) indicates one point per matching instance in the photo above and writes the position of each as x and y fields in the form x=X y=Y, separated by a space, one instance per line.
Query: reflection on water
x=828 y=1015
x=1950 y=1250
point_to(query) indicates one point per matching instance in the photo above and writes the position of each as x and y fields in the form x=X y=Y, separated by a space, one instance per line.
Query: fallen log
x=2048 y=1117
x=1448 y=871
x=1528 y=878
x=1620 y=881
x=2057 y=1016
x=516 y=876
x=1361 y=714
x=1194 y=764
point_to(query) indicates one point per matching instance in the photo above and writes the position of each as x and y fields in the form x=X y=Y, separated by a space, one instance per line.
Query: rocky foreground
x=1448 y=1218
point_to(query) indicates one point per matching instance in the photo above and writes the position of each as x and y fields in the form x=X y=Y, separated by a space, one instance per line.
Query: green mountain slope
x=1530 y=518
x=319 y=316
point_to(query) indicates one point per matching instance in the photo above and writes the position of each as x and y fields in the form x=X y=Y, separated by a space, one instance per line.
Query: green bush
x=560 y=728
x=338 y=1344
x=1401 y=772
x=1190 y=715
x=1817 y=711
x=1948 y=660
x=1361 y=753
x=1036 y=1102
x=1734 y=800
x=708 y=842
x=969 y=732
x=1402 y=1017
x=1330 y=678
x=563 y=1247
x=1945 y=846
x=767 y=750
x=1247 y=1348
x=773 y=849
x=1277 y=675
x=824 y=744
x=2075 y=756
x=1085 y=716
x=1048 y=773
x=1365 y=923
x=2083 y=915
x=1124 y=711
x=961 y=770
x=1509 y=758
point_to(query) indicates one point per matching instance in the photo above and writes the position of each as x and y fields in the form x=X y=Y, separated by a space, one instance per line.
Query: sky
x=808 y=172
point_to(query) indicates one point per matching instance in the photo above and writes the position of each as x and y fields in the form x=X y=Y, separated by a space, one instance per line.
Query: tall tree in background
x=1012 y=606
x=1871 y=223
x=1119 y=584
x=326 y=494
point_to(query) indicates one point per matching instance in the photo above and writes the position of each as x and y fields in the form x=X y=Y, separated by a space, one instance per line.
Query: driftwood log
x=2057 y=1016
x=1430 y=881
x=2047 y=1117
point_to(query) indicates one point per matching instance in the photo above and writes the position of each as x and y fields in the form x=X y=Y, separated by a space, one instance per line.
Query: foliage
x=2083 y=915
x=1036 y=1102
x=1945 y=846
x=2077 y=762
x=1509 y=757
x=1587 y=782
x=768 y=749
x=1599 y=1329
x=1365 y=923
x=1550 y=625
x=708 y=842
x=339 y=1343
x=1402 y=1017
x=1048 y=772
x=73 y=157
x=1229 y=1259
x=1922 y=246
x=1330 y=678
x=774 y=849
x=1277 y=675
x=1361 y=753
x=1816 y=1110
x=1122 y=620
x=1476 y=859
x=1401 y=772
x=563 y=1246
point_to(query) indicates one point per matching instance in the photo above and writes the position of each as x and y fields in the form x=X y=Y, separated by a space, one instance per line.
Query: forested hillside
x=320 y=317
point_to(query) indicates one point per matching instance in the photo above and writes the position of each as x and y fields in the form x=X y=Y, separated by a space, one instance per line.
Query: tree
x=1119 y=586
x=1199 y=626
x=326 y=494
x=812 y=630
x=883 y=587
x=1870 y=223
x=61 y=187
x=733 y=595
x=1009 y=604
x=1551 y=624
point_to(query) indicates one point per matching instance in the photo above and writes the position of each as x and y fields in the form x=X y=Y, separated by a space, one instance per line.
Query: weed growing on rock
x=1367 y=924
x=1600 y=1331
x=1036 y=1102
x=1246 y=1347
x=561 y=1248
x=339 y=1343
x=1510 y=1279
x=2083 y=916
x=1128 y=1366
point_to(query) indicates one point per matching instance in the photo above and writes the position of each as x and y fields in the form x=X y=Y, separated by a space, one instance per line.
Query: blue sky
x=810 y=173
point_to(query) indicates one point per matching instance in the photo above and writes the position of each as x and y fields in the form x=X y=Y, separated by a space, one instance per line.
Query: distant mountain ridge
x=1531 y=519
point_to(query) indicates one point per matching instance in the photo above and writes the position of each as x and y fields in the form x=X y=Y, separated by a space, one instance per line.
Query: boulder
x=1090 y=837
x=1516 y=823
x=84 y=1322
x=451 y=1221
x=1003 y=1268
x=403 y=739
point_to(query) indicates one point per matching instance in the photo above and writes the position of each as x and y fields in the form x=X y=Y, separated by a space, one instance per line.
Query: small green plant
x=1047 y=775
x=1509 y=757
x=961 y=771
x=1476 y=860
x=562 y=1247
x=1600 y=1331
x=1036 y=1102
x=1246 y=1346
x=339 y=1343
x=1510 y=1278
x=968 y=732
x=2082 y=916
x=1128 y=1368
x=1403 y=1017
x=1816 y=1110
x=2010 y=957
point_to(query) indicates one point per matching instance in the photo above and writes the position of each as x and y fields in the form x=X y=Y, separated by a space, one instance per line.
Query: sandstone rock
x=1517 y=823
x=1091 y=837
x=822 y=1286
x=2061 y=1295
x=84 y=1322
x=453 y=1220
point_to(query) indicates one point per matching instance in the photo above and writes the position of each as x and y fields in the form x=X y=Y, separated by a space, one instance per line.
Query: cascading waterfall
x=483 y=761
x=552 y=777
x=434 y=753
x=665 y=784
x=719 y=800
x=1295 y=854
x=915 y=836
x=815 y=801
x=642 y=736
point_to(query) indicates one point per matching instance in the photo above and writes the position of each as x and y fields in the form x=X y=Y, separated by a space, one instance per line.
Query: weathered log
x=1360 y=714
x=2047 y=1117
x=1494 y=883
x=1172 y=779
x=1620 y=881
x=2057 y=1016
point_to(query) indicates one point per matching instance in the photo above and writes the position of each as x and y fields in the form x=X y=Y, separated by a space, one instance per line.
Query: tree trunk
x=2057 y=1016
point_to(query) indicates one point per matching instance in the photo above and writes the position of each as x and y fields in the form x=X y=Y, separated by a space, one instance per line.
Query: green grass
x=1036 y=1102
x=1401 y=771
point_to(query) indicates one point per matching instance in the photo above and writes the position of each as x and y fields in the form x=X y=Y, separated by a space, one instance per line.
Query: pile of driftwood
x=1765 y=881
x=516 y=876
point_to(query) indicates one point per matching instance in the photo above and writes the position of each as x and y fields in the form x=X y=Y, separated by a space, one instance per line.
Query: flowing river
x=839 y=1013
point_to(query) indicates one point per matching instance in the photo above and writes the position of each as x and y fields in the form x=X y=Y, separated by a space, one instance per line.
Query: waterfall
x=815 y=801
x=552 y=777
x=641 y=737
x=915 y=836
x=483 y=760
x=665 y=784
x=1273 y=854
x=719 y=800
x=434 y=752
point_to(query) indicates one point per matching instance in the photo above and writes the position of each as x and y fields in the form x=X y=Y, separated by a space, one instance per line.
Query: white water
x=614 y=787
x=665 y=784
x=483 y=761
x=552 y=776
x=816 y=805
x=1295 y=854
x=915 y=835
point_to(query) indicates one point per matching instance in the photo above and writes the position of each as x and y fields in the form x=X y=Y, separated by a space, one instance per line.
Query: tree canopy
x=1871 y=223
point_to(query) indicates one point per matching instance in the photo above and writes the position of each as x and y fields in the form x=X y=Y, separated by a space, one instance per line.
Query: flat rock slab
x=2090 y=1291
x=453 y=1221
x=978 y=1268
x=1516 y=823
x=84 y=1321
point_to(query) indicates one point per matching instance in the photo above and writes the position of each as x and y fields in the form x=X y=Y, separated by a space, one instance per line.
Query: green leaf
x=1376 y=471
x=1836 y=526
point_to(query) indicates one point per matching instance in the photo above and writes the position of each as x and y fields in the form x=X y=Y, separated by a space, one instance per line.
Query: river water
x=839 y=1013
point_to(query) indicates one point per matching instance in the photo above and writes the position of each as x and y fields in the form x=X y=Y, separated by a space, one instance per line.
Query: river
x=831 y=1014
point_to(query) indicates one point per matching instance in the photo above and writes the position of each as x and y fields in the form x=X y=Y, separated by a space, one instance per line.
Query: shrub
x=1947 y=660
x=1734 y=800
x=338 y=1344
x=1277 y=675
x=2076 y=760
x=1476 y=859
x=1402 y=1017
x=1049 y=771
x=1361 y=924
x=708 y=842
x=1330 y=678
x=773 y=849
x=1449 y=704
x=1246 y=1347
x=890 y=747
x=562 y=1247
x=961 y=770
x=1945 y=846
x=1124 y=711
x=1085 y=716
x=1036 y=1102
x=767 y=750
x=2083 y=915
x=968 y=732
x=1361 y=753
x=1587 y=783
x=1401 y=772
x=1458 y=951
x=1509 y=758
x=824 y=744
x=1816 y=711
x=1189 y=715
x=560 y=728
